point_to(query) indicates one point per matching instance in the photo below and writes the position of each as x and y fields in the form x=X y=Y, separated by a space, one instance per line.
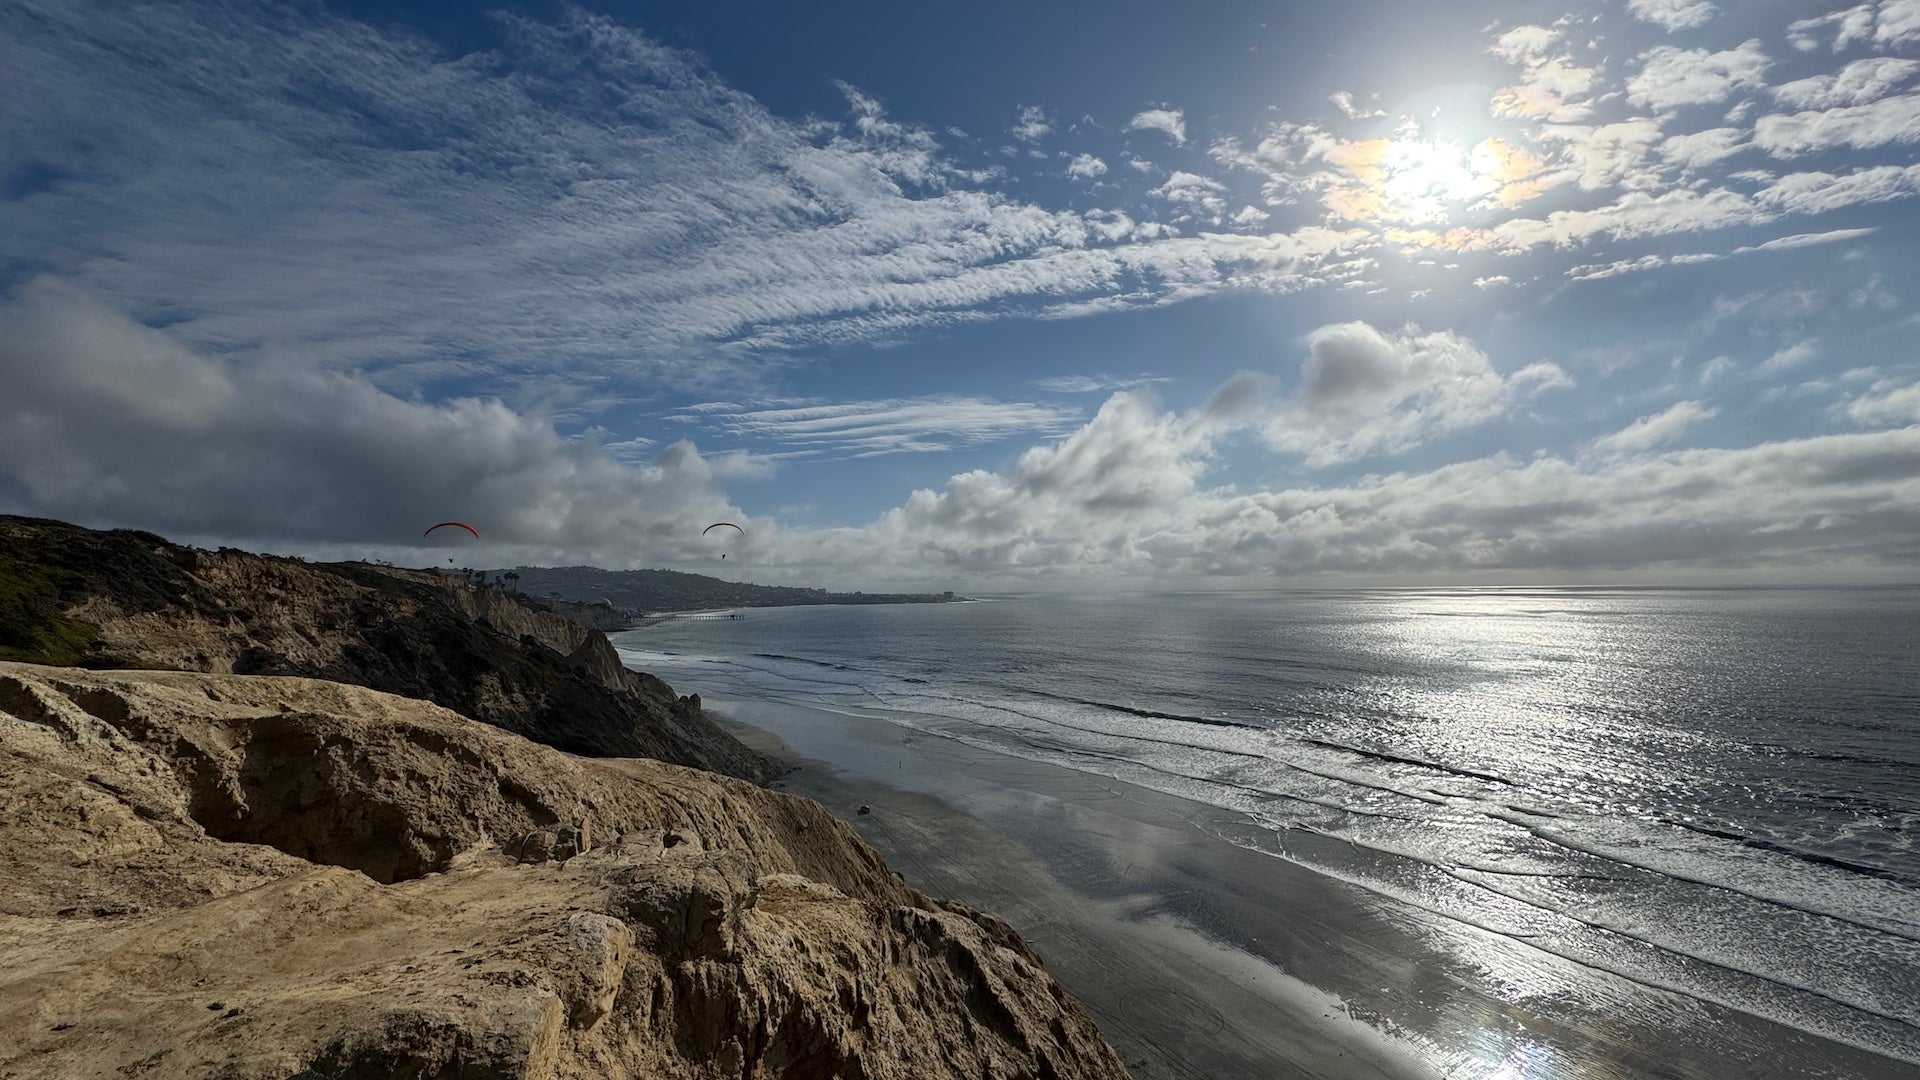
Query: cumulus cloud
x=1820 y=502
x=1085 y=167
x=108 y=421
x=1670 y=77
x=115 y=423
x=1170 y=122
x=1198 y=193
x=1657 y=429
x=1032 y=125
x=1365 y=391
x=1075 y=502
x=1673 y=14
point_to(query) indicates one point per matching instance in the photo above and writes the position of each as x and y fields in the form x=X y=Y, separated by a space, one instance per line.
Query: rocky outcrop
x=239 y=877
x=126 y=599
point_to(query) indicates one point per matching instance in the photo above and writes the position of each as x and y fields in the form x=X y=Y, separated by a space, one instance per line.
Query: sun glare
x=1423 y=177
x=1427 y=181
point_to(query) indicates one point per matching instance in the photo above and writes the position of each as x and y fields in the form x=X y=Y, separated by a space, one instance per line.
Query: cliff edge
x=209 y=875
x=127 y=599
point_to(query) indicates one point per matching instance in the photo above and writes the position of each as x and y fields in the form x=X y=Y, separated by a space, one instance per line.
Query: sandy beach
x=1203 y=958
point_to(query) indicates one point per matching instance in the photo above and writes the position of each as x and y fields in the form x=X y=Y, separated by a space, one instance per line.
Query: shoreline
x=1175 y=1004
x=1201 y=957
x=654 y=618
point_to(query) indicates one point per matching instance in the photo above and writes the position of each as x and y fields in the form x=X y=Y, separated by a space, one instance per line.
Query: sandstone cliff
x=126 y=599
x=239 y=877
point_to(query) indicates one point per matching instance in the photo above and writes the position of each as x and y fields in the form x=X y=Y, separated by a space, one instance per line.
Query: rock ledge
x=266 y=877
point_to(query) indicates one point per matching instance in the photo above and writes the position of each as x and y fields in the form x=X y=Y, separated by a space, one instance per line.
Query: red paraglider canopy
x=457 y=525
x=728 y=524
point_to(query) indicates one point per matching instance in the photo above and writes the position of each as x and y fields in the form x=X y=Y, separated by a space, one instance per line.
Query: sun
x=1423 y=178
x=1415 y=181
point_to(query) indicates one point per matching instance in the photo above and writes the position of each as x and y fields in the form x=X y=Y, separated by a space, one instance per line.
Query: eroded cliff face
x=240 y=877
x=126 y=599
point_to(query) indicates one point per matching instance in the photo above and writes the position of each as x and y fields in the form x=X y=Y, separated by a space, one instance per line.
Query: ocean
x=1708 y=792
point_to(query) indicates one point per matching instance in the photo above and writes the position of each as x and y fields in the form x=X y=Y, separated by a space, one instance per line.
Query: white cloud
x=1598 y=271
x=107 y=421
x=895 y=426
x=1607 y=155
x=1653 y=262
x=1085 y=167
x=1820 y=192
x=1170 y=122
x=1800 y=240
x=1639 y=214
x=1670 y=77
x=1073 y=502
x=1792 y=356
x=1656 y=430
x=1492 y=280
x=1090 y=384
x=1032 y=125
x=1696 y=151
x=1364 y=391
x=1888 y=120
x=1248 y=217
x=1859 y=83
x=385 y=207
x=1343 y=100
x=1554 y=89
x=1849 y=27
x=1820 y=502
x=1525 y=44
x=1897 y=405
x=1198 y=193
x=1890 y=24
x=1897 y=24
x=1673 y=14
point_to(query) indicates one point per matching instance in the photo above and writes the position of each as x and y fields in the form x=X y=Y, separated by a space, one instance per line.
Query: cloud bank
x=112 y=422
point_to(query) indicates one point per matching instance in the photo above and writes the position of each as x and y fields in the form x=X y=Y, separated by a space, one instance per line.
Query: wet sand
x=1201 y=958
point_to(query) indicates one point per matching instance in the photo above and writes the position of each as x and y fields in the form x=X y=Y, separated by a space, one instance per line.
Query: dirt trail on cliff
x=125 y=599
x=236 y=877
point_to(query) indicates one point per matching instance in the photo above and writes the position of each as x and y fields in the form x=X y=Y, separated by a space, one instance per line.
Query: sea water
x=1714 y=792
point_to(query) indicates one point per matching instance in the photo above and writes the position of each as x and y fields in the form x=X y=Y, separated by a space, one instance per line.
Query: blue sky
x=991 y=293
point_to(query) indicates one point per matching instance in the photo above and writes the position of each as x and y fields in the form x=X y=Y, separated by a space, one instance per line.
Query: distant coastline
x=641 y=597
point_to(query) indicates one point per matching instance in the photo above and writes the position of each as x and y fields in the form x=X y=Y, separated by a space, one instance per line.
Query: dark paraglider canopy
x=723 y=525
x=455 y=525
